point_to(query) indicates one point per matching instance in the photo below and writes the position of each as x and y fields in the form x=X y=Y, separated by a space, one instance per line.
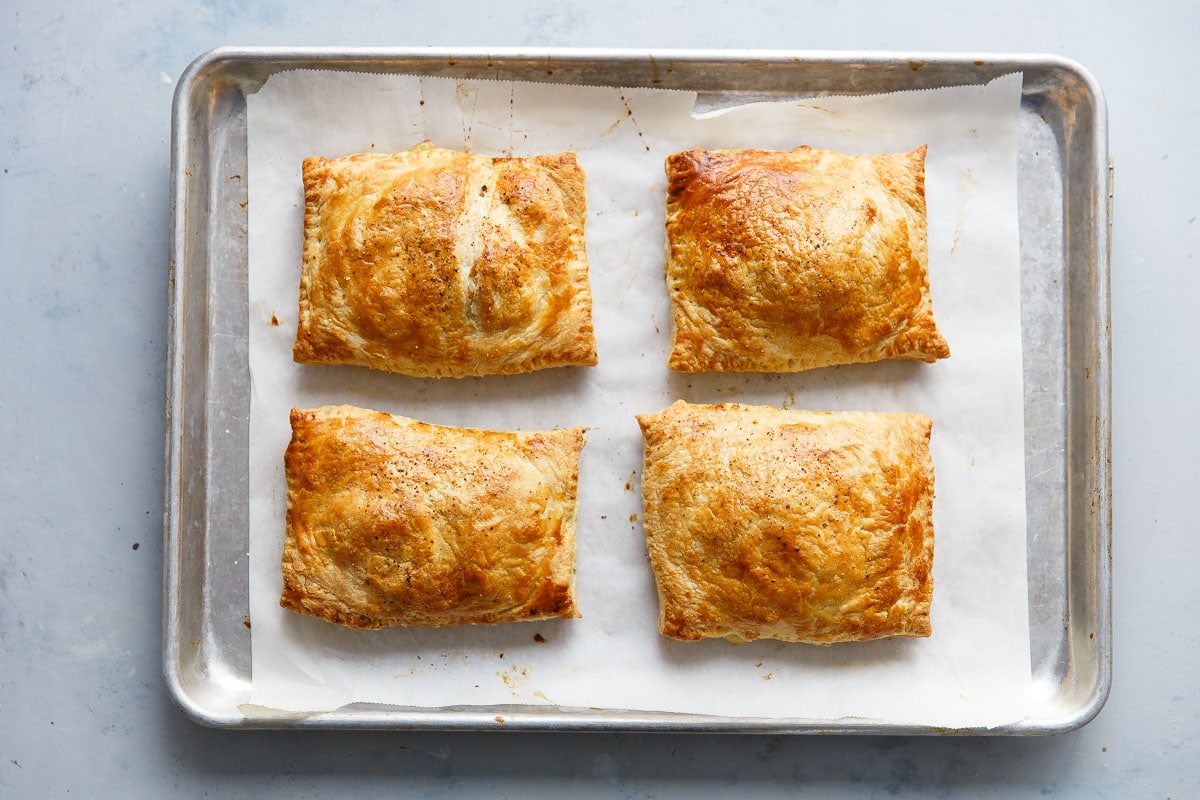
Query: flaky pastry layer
x=438 y=263
x=394 y=522
x=764 y=523
x=788 y=261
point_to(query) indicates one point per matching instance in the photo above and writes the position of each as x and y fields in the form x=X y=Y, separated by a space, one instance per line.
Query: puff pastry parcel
x=792 y=525
x=439 y=263
x=393 y=522
x=787 y=261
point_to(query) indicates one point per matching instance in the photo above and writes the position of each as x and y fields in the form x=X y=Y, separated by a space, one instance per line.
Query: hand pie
x=793 y=525
x=781 y=262
x=438 y=263
x=393 y=522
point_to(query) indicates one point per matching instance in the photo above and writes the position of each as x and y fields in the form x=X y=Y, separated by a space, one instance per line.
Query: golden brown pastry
x=780 y=262
x=393 y=522
x=792 y=525
x=439 y=263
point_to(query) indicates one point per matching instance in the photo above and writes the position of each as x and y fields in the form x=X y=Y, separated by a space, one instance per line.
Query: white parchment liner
x=974 y=670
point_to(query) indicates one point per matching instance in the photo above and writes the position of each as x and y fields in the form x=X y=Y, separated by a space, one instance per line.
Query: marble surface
x=85 y=93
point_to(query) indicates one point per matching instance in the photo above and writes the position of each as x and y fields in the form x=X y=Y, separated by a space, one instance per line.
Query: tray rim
x=360 y=716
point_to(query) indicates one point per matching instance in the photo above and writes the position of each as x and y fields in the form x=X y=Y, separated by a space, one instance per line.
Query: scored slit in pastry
x=439 y=263
x=788 y=261
x=395 y=522
x=802 y=526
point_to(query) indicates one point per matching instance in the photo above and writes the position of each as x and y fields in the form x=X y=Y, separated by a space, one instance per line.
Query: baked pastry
x=393 y=522
x=781 y=262
x=438 y=263
x=793 y=525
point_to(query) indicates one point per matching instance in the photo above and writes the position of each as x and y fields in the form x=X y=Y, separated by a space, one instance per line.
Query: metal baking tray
x=1065 y=177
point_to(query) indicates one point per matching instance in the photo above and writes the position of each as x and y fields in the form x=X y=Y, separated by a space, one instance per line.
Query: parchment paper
x=974 y=670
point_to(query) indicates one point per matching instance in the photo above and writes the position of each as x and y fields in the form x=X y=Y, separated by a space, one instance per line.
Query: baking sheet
x=974 y=671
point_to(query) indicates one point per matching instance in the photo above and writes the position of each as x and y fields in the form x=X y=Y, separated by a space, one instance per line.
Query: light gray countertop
x=85 y=95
